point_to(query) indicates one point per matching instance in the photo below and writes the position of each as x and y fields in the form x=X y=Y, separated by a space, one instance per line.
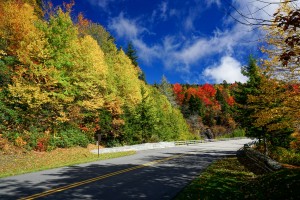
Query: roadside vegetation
x=229 y=179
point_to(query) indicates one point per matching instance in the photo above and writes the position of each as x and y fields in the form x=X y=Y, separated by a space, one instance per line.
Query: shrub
x=238 y=133
x=69 y=138
x=285 y=156
x=32 y=137
x=11 y=136
x=113 y=143
x=26 y=139
x=295 y=143
x=218 y=131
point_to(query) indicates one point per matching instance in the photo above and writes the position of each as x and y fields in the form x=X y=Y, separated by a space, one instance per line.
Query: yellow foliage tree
x=283 y=52
x=277 y=106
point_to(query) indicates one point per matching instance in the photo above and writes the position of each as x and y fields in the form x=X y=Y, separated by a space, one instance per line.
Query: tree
x=289 y=22
x=166 y=89
x=131 y=53
x=223 y=103
x=279 y=98
x=179 y=93
x=141 y=122
x=251 y=87
x=272 y=112
x=283 y=44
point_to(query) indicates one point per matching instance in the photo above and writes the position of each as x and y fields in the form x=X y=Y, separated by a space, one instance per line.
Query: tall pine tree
x=131 y=53
x=244 y=110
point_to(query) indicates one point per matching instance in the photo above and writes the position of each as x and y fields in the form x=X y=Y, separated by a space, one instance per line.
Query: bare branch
x=247 y=22
x=291 y=1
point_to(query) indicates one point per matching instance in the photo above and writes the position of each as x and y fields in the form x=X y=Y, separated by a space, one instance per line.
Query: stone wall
x=265 y=163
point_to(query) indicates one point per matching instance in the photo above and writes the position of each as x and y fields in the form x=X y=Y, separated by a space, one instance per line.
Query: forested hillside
x=63 y=81
x=209 y=109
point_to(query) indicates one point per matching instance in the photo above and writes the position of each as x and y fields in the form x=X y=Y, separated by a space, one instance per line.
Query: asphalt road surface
x=151 y=174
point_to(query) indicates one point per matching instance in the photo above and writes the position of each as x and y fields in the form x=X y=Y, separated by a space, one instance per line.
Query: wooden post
x=99 y=138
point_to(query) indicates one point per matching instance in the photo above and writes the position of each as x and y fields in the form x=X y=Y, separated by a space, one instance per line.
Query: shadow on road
x=160 y=181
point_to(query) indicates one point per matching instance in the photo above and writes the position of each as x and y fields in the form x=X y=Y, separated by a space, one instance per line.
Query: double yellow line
x=73 y=185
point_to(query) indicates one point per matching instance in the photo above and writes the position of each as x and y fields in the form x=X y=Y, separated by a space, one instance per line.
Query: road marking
x=73 y=185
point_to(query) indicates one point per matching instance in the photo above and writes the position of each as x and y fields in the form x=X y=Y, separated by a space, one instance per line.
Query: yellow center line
x=73 y=185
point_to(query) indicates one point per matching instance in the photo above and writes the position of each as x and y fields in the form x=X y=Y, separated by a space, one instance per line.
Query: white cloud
x=211 y=2
x=189 y=23
x=124 y=27
x=146 y=53
x=101 y=3
x=229 y=69
x=199 y=48
x=163 y=9
x=162 y=12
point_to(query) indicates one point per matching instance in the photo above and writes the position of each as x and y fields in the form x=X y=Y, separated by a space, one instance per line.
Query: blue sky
x=188 y=41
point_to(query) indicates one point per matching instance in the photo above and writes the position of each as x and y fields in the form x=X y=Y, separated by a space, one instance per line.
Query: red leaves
x=210 y=91
x=205 y=93
x=178 y=93
x=230 y=101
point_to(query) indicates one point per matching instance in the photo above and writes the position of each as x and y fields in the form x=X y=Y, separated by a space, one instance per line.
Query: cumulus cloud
x=124 y=27
x=228 y=69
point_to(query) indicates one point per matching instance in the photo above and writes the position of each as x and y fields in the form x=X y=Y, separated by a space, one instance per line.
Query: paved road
x=151 y=174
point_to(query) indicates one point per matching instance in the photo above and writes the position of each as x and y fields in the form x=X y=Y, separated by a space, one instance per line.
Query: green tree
x=224 y=105
x=146 y=114
x=141 y=122
x=251 y=87
x=277 y=104
x=131 y=53
x=166 y=89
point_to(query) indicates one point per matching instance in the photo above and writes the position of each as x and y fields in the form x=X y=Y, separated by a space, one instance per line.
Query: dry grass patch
x=19 y=162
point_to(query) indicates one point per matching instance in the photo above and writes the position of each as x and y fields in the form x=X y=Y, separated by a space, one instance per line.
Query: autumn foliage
x=208 y=106
x=63 y=81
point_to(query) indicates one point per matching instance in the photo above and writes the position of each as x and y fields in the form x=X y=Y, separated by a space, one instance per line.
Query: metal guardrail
x=188 y=142
x=191 y=142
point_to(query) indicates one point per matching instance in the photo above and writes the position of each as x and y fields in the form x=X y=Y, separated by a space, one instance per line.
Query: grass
x=25 y=162
x=229 y=179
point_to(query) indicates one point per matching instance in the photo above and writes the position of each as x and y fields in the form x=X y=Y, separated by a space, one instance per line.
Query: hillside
x=63 y=81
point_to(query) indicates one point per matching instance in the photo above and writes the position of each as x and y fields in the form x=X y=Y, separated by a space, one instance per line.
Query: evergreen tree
x=166 y=89
x=196 y=107
x=146 y=114
x=251 y=87
x=142 y=76
x=131 y=53
x=220 y=98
